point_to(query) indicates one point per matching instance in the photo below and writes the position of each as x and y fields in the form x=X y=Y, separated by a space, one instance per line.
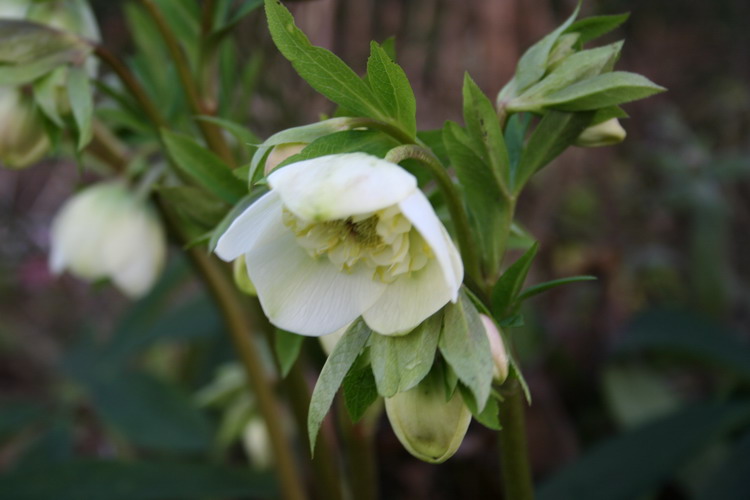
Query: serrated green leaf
x=506 y=289
x=685 y=334
x=119 y=480
x=81 y=103
x=465 y=347
x=634 y=463
x=332 y=375
x=609 y=89
x=392 y=89
x=555 y=132
x=484 y=131
x=548 y=285
x=323 y=70
x=360 y=389
x=596 y=26
x=486 y=202
x=287 y=347
x=533 y=64
x=204 y=166
x=400 y=362
x=574 y=68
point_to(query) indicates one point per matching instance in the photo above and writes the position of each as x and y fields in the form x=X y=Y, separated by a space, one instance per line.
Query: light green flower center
x=383 y=241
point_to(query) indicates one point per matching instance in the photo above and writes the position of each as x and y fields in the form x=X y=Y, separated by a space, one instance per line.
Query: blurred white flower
x=105 y=231
x=343 y=236
x=23 y=139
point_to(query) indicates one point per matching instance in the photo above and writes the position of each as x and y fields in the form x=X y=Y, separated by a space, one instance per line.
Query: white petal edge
x=338 y=186
x=418 y=210
x=409 y=300
x=259 y=222
x=305 y=295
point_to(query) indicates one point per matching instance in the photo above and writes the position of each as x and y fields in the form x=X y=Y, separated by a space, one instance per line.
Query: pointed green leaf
x=401 y=362
x=550 y=138
x=46 y=94
x=81 y=103
x=204 y=166
x=392 y=89
x=465 y=347
x=337 y=366
x=243 y=134
x=593 y=27
x=322 y=69
x=490 y=416
x=548 y=285
x=195 y=204
x=507 y=287
x=287 y=346
x=360 y=390
x=609 y=89
x=484 y=131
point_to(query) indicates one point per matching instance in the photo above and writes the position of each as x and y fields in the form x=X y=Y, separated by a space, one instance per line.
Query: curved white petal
x=409 y=300
x=135 y=269
x=305 y=295
x=338 y=186
x=259 y=222
x=418 y=210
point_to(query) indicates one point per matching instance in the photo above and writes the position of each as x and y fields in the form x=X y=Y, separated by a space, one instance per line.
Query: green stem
x=359 y=441
x=211 y=132
x=457 y=210
x=514 y=457
x=389 y=129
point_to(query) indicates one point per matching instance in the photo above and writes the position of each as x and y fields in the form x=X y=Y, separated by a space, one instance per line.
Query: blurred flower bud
x=23 y=139
x=497 y=348
x=282 y=152
x=105 y=231
x=241 y=278
x=257 y=443
x=605 y=133
x=427 y=425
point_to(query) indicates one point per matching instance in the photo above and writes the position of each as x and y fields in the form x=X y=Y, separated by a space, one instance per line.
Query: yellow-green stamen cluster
x=384 y=241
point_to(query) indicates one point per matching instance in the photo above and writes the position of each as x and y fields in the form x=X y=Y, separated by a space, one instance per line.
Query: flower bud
x=427 y=425
x=606 y=133
x=497 y=348
x=105 y=231
x=23 y=139
x=241 y=278
x=280 y=153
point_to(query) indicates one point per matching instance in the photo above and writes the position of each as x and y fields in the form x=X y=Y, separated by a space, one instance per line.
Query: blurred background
x=639 y=379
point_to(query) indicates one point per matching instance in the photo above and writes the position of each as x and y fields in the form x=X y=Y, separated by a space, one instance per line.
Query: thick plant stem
x=359 y=441
x=514 y=457
x=234 y=312
x=211 y=132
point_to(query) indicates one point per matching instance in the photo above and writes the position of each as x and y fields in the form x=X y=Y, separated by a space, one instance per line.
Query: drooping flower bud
x=105 y=231
x=280 y=153
x=23 y=139
x=241 y=278
x=606 y=133
x=427 y=425
x=497 y=348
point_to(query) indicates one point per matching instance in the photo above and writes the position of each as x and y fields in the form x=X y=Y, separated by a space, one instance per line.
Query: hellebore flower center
x=384 y=241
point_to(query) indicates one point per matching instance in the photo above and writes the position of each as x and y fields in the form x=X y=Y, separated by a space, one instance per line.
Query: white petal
x=418 y=210
x=338 y=186
x=260 y=222
x=409 y=300
x=136 y=272
x=305 y=295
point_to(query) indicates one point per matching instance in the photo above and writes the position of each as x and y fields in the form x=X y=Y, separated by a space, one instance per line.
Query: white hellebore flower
x=344 y=236
x=105 y=231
